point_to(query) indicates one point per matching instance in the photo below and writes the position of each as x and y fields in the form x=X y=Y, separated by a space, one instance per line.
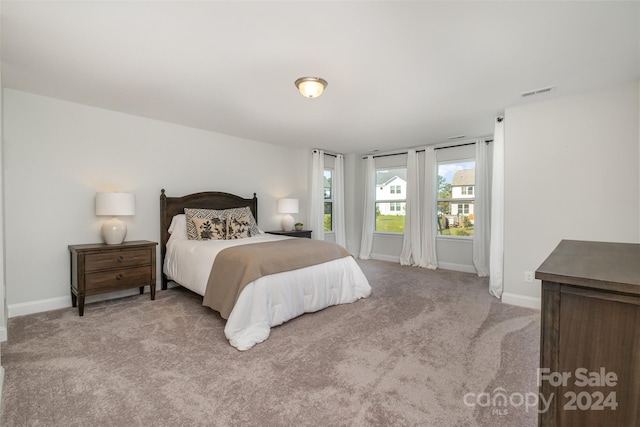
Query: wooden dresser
x=590 y=335
x=99 y=268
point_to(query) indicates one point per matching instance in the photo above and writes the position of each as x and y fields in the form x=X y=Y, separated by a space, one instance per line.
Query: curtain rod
x=315 y=150
x=486 y=141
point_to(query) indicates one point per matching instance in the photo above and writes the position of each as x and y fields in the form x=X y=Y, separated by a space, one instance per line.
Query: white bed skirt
x=272 y=300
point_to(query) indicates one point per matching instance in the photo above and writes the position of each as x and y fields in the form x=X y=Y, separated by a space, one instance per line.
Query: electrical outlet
x=528 y=276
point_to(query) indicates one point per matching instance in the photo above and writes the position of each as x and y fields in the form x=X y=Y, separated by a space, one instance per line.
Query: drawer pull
x=120 y=258
x=120 y=276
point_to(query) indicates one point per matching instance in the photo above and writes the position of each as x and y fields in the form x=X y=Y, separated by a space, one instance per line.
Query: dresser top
x=601 y=265
x=101 y=246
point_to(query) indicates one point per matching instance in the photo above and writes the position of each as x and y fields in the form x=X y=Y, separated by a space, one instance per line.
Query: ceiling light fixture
x=311 y=87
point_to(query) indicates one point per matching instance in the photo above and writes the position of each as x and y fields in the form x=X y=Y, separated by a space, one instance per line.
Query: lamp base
x=114 y=231
x=287 y=223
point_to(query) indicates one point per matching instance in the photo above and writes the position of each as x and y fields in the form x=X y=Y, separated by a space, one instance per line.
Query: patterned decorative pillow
x=238 y=228
x=223 y=214
x=237 y=213
x=210 y=228
x=190 y=214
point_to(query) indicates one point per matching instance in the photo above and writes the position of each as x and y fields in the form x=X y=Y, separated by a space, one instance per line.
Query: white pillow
x=178 y=227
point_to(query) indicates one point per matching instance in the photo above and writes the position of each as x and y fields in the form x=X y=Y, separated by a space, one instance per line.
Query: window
x=456 y=189
x=391 y=205
x=328 y=200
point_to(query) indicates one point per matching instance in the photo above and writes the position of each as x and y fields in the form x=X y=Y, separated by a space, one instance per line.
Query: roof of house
x=464 y=177
x=385 y=177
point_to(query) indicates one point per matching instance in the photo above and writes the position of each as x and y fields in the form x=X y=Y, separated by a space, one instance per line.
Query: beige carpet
x=407 y=355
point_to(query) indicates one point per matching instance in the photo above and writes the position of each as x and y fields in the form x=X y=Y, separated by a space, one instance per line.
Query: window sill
x=458 y=238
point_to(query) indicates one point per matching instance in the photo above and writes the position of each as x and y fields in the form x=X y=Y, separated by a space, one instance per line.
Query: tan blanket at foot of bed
x=237 y=266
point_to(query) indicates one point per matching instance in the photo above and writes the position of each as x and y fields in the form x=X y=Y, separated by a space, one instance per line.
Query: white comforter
x=270 y=300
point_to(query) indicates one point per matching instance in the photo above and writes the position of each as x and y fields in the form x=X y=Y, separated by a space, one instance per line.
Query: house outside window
x=391 y=204
x=328 y=200
x=456 y=192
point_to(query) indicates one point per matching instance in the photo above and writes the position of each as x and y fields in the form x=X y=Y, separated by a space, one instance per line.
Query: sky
x=448 y=169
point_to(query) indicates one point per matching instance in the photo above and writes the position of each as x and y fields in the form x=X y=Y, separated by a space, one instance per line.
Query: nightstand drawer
x=116 y=279
x=119 y=259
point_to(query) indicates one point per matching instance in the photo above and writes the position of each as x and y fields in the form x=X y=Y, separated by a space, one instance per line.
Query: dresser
x=99 y=268
x=590 y=335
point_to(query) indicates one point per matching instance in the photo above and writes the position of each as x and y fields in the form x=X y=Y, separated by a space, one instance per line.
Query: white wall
x=571 y=172
x=57 y=155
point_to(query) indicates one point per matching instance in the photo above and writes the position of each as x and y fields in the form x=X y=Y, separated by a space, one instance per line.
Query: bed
x=269 y=298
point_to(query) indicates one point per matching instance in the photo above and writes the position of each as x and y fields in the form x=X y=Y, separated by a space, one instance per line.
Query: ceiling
x=401 y=74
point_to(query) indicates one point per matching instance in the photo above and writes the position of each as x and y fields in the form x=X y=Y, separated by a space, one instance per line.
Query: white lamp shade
x=287 y=206
x=115 y=204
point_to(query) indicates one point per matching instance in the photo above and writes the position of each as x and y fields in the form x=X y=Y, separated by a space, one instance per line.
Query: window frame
x=330 y=199
x=466 y=201
x=392 y=202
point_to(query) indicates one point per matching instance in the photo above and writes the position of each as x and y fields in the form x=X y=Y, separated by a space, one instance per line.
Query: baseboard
x=1 y=386
x=441 y=265
x=389 y=258
x=457 y=267
x=521 y=300
x=32 y=307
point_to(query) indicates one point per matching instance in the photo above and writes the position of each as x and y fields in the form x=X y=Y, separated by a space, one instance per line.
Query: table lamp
x=115 y=205
x=287 y=207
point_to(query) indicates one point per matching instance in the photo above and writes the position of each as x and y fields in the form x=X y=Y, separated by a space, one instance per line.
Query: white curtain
x=496 y=251
x=368 y=215
x=338 y=200
x=481 y=218
x=316 y=204
x=411 y=246
x=428 y=222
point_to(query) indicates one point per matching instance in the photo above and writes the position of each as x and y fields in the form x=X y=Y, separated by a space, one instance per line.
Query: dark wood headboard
x=172 y=206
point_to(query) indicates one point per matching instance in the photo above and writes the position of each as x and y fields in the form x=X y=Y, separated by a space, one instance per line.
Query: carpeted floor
x=428 y=348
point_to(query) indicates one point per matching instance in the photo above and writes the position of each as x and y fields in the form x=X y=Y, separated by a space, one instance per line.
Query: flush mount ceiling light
x=311 y=87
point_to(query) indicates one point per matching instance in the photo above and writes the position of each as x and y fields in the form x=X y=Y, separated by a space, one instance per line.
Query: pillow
x=238 y=228
x=190 y=214
x=219 y=213
x=237 y=213
x=210 y=228
x=178 y=227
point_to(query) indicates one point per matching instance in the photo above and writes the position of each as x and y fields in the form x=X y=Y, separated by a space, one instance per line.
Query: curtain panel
x=481 y=218
x=368 y=215
x=496 y=247
x=316 y=203
x=338 y=201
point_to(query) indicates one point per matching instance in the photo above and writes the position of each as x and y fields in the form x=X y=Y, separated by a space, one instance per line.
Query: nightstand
x=293 y=233
x=98 y=268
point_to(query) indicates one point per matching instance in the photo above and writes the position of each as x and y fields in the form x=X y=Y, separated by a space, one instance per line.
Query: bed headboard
x=171 y=206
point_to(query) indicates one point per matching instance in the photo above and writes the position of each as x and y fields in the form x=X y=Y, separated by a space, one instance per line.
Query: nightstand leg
x=81 y=305
x=141 y=290
x=74 y=300
x=152 y=288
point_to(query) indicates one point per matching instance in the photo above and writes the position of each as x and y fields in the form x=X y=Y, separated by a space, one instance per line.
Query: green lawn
x=390 y=223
